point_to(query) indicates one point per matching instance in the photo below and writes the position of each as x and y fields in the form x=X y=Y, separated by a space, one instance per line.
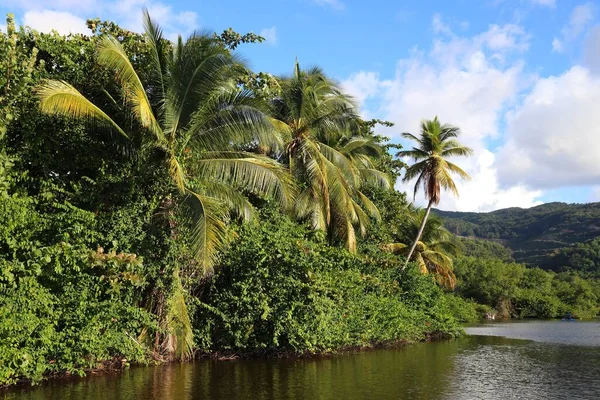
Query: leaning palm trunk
x=431 y=167
x=421 y=228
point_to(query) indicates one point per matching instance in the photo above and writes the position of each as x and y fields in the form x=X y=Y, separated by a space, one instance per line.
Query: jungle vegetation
x=161 y=201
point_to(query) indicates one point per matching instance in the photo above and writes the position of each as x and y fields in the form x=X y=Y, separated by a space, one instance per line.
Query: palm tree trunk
x=421 y=228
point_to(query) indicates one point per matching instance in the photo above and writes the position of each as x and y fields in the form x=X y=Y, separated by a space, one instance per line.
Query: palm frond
x=112 y=55
x=396 y=248
x=458 y=171
x=158 y=53
x=233 y=199
x=254 y=173
x=374 y=177
x=208 y=229
x=227 y=118
x=60 y=98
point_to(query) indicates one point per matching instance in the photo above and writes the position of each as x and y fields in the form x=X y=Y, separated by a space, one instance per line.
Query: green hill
x=548 y=236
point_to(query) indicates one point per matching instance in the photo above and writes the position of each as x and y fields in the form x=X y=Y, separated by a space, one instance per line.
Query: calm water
x=529 y=360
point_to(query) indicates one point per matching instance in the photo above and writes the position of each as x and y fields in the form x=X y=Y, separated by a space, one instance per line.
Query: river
x=516 y=360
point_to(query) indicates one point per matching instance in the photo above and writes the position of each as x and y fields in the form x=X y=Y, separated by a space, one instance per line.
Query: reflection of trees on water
x=415 y=372
x=470 y=368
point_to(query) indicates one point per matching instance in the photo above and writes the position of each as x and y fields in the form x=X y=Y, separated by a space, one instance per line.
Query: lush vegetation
x=533 y=235
x=582 y=257
x=514 y=290
x=159 y=200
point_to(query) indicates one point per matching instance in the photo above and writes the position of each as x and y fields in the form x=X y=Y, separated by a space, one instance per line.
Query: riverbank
x=118 y=365
x=466 y=367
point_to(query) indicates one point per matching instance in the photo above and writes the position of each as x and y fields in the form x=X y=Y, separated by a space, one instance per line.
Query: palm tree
x=326 y=155
x=192 y=112
x=434 y=249
x=431 y=168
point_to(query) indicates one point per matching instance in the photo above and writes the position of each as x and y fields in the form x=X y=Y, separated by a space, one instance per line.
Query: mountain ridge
x=535 y=235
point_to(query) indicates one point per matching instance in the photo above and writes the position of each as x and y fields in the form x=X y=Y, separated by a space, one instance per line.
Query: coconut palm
x=194 y=115
x=432 y=169
x=330 y=161
x=434 y=249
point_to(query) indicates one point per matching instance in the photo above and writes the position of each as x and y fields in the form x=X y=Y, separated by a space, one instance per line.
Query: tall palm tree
x=434 y=249
x=431 y=168
x=326 y=155
x=200 y=121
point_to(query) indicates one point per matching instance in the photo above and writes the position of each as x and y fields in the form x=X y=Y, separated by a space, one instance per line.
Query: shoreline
x=118 y=365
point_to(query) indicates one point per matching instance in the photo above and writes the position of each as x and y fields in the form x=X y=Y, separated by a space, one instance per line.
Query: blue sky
x=521 y=78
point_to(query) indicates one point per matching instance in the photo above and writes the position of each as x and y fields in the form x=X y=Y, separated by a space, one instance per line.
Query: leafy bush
x=67 y=309
x=281 y=288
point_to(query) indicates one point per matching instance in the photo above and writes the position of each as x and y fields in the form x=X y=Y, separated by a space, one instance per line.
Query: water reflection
x=475 y=367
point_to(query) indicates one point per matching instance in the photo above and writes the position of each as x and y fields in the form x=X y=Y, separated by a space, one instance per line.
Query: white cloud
x=466 y=81
x=553 y=138
x=65 y=15
x=270 y=34
x=547 y=3
x=128 y=13
x=335 y=4
x=60 y=21
x=580 y=18
x=361 y=86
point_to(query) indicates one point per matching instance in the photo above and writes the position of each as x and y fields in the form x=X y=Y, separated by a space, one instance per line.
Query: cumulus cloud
x=270 y=34
x=440 y=26
x=334 y=4
x=553 y=139
x=68 y=16
x=466 y=81
x=361 y=86
x=60 y=21
x=580 y=18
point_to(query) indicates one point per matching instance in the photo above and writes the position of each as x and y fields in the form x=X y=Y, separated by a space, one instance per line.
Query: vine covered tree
x=201 y=124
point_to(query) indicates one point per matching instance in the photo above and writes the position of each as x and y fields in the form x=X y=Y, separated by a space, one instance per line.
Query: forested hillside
x=535 y=235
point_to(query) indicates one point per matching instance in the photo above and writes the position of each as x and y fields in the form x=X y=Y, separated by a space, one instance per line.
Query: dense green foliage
x=280 y=288
x=481 y=248
x=583 y=257
x=532 y=234
x=96 y=267
x=517 y=291
x=101 y=213
x=63 y=307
